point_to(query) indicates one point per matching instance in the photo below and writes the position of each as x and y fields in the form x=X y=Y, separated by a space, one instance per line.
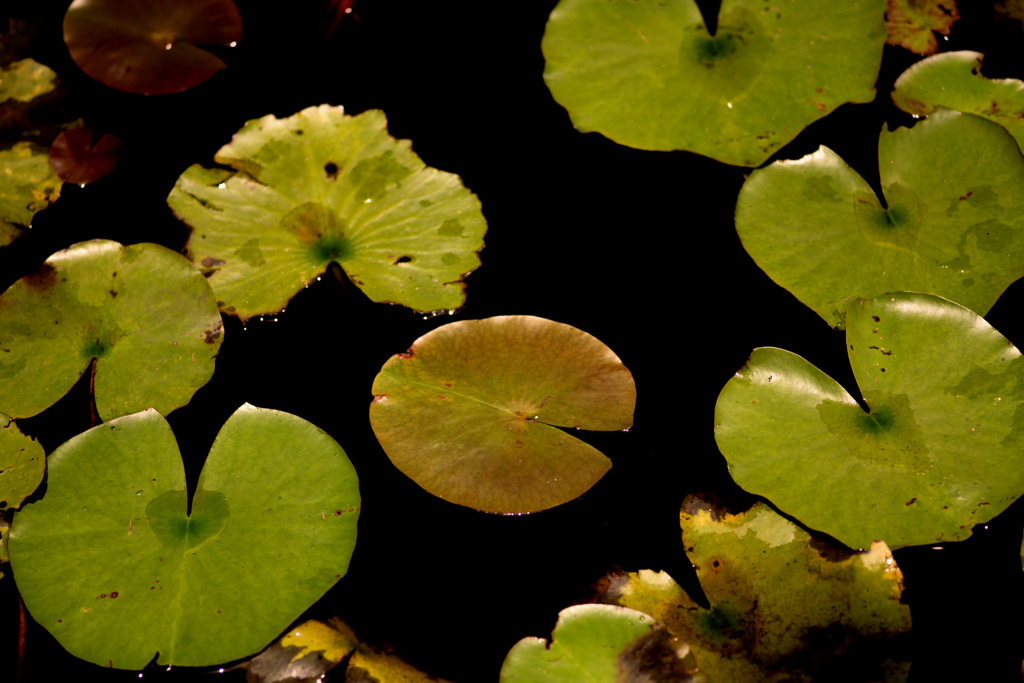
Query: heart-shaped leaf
x=22 y=463
x=114 y=541
x=602 y=644
x=953 y=80
x=27 y=186
x=471 y=412
x=913 y=23
x=153 y=47
x=952 y=223
x=321 y=187
x=783 y=606
x=143 y=312
x=646 y=73
x=941 y=449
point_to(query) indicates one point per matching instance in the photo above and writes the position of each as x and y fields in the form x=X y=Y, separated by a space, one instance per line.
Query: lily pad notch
x=323 y=187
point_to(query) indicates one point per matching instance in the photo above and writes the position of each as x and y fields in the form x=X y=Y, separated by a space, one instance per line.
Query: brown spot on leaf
x=42 y=279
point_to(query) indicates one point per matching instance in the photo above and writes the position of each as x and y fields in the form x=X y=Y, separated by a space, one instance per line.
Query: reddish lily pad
x=77 y=160
x=152 y=47
x=913 y=24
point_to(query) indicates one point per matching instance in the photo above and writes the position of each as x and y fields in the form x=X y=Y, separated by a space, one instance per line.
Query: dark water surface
x=634 y=247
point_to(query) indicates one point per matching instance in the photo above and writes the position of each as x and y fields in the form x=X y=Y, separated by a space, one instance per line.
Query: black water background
x=635 y=247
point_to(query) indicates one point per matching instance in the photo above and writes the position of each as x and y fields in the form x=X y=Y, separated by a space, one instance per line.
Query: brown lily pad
x=76 y=159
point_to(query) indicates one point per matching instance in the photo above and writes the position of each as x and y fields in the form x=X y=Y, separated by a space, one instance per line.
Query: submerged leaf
x=602 y=644
x=321 y=187
x=152 y=47
x=783 y=606
x=270 y=528
x=22 y=463
x=646 y=73
x=953 y=80
x=941 y=449
x=471 y=412
x=143 y=313
x=25 y=80
x=913 y=23
x=952 y=222
x=77 y=160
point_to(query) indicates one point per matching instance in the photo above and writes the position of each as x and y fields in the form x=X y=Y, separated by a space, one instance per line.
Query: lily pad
x=153 y=47
x=602 y=644
x=953 y=80
x=647 y=74
x=115 y=540
x=143 y=313
x=25 y=80
x=76 y=159
x=913 y=23
x=783 y=606
x=471 y=412
x=939 y=450
x=27 y=186
x=321 y=187
x=952 y=222
x=22 y=463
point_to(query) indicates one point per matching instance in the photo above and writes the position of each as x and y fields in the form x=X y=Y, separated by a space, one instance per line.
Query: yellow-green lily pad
x=648 y=74
x=28 y=184
x=22 y=464
x=939 y=449
x=321 y=187
x=472 y=411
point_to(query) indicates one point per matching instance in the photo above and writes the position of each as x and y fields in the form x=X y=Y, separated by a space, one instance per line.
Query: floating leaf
x=27 y=186
x=953 y=80
x=939 y=451
x=471 y=412
x=22 y=463
x=602 y=644
x=151 y=47
x=142 y=312
x=646 y=73
x=25 y=80
x=951 y=224
x=913 y=23
x=321 y=187
x=77 y=160
x=269 y=529
x=784 y=606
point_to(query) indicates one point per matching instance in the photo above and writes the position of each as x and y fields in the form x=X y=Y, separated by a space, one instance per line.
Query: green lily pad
x=913 y=23
x=471 y=412
x=602 y=644
x=143 y=313
x=939 y=451
x=115 y=541
x=27 y=186
x=953 y=80
x=646 y=73
x=153 y=47
x=952 y=225
x=321 y=187
x=22 y=463
x=783 y=606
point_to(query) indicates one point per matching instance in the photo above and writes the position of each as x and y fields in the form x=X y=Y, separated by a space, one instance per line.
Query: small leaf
x=952 y=222
x=321 y=187
x=269 y=530
x=77 y=160
x=471 y=412
x=940 y=450
x=646 y=73
x=142 y=312
x=783 y=606
x=953 y=80
x=602 y=644
x=25 y=80
x=27 y=186
x=22 y=464
x=913 y=23
x=152 y=47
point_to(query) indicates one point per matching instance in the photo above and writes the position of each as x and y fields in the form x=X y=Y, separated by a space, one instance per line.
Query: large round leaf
x=22 y=463
x=602 y=644
x=646 y=73
x=775 y=592
x=150 y=47
x=321 y=187
x=469 y=412
x=953 y=80
x=143 y=312
x=941 y=449
x=115 y=542
x=952 y=224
